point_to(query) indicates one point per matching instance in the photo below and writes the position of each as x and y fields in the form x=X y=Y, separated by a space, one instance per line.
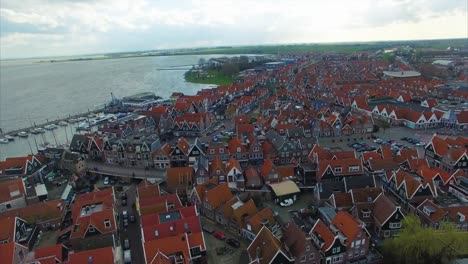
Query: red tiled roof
x=347 y=224
x=11 y=190
x=322 y=231
x=100 y=255
x=7 y=229
x=39 y=212
x=268 y=245
x=7 y=252
x=383 y=209
x=174 y=176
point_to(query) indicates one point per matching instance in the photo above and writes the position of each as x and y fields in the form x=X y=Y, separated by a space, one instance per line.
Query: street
x=133 y=231
x=116 y=170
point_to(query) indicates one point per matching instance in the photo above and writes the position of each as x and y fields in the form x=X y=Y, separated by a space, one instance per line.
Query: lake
x=34 y=92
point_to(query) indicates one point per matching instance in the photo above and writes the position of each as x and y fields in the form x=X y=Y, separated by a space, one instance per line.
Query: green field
x=213 y=77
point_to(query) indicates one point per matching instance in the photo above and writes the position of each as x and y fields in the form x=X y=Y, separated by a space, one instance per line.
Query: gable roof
x=100 y=255
x=324 y=233
x=11 y=190
x=383 y=209
x=347 y=224
x=267 y=245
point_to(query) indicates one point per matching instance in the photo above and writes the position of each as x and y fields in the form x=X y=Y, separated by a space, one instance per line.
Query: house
x=387 y=217
x=362 y=200
x=47 y=214
x=217 y=149
x=218 y=170
x=237 y=150
x=235 y=214
x=266 y=248
x=94 y=220
x=262 y=218
x=105 y=255
x=12 y=252
x=50 y=254
x=30 y=165
x=235 y=178
x=162 y=156
x=179 y=155
x=191 y=124
x=447 y=153
x=284 y=190
x=12 y=194
x=339 y=168
x=17 y=230
x=255 y=152
x=253 y=180
x=332 y=247
x=195 y=152
x=299 y=245
x=356 y=238
x=201 y=174
x=80 y=144
x=176 y=233
x=179 y=179
x=209 y=198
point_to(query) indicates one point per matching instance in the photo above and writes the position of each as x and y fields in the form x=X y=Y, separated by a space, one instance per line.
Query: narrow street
x=132 y=232
x=121 y=171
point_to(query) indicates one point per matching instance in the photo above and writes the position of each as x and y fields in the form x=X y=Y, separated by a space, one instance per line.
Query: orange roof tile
x=347 y=224
x=100 y=255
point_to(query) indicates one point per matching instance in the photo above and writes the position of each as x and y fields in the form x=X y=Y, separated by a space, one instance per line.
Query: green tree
x=417 y=244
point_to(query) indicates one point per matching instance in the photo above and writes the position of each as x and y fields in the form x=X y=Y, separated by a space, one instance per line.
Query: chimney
x=90 y=259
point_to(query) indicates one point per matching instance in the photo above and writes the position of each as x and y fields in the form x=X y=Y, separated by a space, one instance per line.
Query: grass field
x=213 y=77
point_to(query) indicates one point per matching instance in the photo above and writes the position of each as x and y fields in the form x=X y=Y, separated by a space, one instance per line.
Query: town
x=307 y=158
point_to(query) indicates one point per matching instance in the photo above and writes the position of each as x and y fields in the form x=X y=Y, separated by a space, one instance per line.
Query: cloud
x=113 y=25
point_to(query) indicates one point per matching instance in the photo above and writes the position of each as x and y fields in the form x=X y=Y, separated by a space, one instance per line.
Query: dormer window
x=238 y=149
x=107 y=223
x=338 y=169
x=428 y=210
x=212 y=151
x=92 y=229
x=221 y=150
x=366 y=213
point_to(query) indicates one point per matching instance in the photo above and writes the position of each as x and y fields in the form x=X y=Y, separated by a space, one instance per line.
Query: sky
x=35 y=28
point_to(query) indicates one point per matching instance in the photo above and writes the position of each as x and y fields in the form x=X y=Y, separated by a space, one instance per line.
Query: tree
x=417 y=244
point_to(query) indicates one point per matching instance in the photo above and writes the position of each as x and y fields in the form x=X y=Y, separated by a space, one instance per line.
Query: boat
x=63 y=123
x=23 y=134
x=10 y=138
x=83 y=126
x=50 y=127
x=4 y=141
x=37 y=130
x=81 y=119
x=72 y=120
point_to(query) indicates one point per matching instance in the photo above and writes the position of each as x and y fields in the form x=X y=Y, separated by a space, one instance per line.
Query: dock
x=55 y=121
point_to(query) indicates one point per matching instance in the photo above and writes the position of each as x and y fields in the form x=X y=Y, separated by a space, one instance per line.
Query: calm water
x=34 y=92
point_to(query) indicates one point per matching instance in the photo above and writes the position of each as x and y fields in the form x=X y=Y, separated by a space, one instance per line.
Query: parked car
x=127 y=256
x=123 y=195
x=208 y=229
x=132 y=219
x=126 y=244
x=106 y=181
x=219 y=235
x=420 y=144
x=287 y=202
x=378 y=140
x=404 y=138
x=125 y=214
x=124 y=202
x=233 y=243
x=125 y=222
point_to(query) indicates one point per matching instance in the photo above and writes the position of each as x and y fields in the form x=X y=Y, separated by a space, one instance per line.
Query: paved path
x=116 y=170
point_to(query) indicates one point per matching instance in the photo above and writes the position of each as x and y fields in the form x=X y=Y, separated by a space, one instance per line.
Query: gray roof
x=76 y=142
x=354 y=182
x=275 y=139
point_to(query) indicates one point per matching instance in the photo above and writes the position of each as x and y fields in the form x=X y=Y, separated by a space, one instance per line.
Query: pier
x=55 y=121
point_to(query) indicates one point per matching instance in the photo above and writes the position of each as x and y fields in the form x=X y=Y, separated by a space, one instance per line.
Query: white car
x=420 y=144
x=127 y=256
x=287 y=202
x=106 y=181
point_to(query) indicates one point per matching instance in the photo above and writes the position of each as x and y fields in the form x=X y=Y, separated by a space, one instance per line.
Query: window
x=249 y=227
x=91 y=229
x=200 y=180
x=386 y=233
x=363 y=251
x=312 y=256
x=338 y=169
x=303 y=258
x=211 y=151
x=395 y=225
x=8 y=206
x=307 y=248
x=366 y=213
x=107 y=223
x=221 y=150
x=350 y=254
x=238 y=149
x=354 y=168
x=334 y=250
x=356 y=253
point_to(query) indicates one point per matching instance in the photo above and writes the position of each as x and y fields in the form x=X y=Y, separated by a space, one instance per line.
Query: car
x=132 y=219
x=420 y=144
x=233 y=243
x=125 y=214
x=106 y=181
x=127 y=256
x=126 y=244
x=377 y=140
x=404 y=138
x=208 y=229
x=124 y=202
x=123 y=195
x=219 y=235
x=125 y=222
x=287 y=202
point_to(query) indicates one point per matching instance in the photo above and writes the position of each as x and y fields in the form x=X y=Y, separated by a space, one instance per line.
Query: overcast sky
x=30 y=28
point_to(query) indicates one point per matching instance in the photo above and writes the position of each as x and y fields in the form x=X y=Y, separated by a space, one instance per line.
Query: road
x=133 y=232
x=116 y=170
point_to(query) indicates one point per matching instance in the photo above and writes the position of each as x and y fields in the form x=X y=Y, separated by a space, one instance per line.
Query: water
x=34 y=92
